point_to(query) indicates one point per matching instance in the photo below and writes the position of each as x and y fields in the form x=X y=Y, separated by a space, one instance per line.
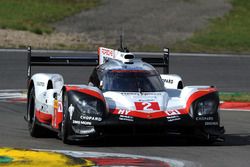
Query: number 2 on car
x=147 y=106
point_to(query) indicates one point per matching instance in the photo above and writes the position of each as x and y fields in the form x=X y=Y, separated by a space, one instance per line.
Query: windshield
x=132 y=81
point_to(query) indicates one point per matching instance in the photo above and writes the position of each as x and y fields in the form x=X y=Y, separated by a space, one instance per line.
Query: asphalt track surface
x=234 y=151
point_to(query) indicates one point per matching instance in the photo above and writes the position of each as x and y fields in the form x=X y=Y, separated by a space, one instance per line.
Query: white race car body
x=122 y=93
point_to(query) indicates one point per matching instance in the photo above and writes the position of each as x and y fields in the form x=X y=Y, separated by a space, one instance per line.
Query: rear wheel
x=66 y=129
x=35 y=130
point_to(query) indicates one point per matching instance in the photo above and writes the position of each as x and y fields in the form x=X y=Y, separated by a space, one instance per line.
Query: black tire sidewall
x=32 y=123
x=66 y=129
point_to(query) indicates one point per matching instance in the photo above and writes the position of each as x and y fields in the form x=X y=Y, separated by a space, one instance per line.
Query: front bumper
x=204 y=127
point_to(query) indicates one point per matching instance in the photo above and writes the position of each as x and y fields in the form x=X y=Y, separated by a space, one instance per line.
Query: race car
x=125 y=95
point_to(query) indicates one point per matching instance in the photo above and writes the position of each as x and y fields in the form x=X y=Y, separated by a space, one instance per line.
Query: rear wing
x=87 y=61
x=58 y=61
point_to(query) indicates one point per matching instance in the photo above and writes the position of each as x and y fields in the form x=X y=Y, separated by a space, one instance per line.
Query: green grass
x=36 y=15
x=228 y=34
x=238 y=97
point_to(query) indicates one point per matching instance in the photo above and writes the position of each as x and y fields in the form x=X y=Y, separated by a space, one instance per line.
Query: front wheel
x=66 y=123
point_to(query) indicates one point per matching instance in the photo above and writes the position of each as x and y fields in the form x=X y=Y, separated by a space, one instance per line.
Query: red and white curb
x=118 y=159
x=28 y=157
x=13 y=95
x=235 y=106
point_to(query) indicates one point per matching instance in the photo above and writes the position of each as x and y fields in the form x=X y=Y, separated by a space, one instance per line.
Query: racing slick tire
x=66 y=129
x=35 y=129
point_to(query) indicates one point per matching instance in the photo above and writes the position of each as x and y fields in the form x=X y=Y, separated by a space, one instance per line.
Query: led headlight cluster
x=88 y=105
x=206 y=107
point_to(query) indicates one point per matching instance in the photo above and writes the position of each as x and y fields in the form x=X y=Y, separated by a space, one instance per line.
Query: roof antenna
x=122 y=49
x=121 y=43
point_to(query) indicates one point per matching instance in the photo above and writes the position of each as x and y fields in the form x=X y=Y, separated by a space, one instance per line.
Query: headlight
x=206 y=107
x=89 y=108
x=88 y=105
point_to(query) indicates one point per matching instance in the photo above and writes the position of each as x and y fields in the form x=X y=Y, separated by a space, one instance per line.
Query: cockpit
x=132 y=81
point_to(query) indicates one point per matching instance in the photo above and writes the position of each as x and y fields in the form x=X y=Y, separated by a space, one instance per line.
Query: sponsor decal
x=83 y=130
x=71 y=111
x=126 y=118
x=130 y=93
x=107 y=52
x=147 y=100
x=151 y=93
x=123 y=112
x=76 y=122
x=81 y=122
x=147 y=114
x=211 y=123
x=168 y=81
x=172 y=112
x=90 y=118
x=142 y=98
x=141 y=94
x=40 y=84
x=88 y=131
x=204 y=118
x=147 y=106
x=173 y=118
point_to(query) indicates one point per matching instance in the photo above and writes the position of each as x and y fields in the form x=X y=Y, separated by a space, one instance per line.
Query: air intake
x=129 y=56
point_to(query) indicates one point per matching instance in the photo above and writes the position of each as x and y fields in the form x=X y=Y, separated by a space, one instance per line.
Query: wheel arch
x=172 y=81
x=50 y=84
x=180 y=85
